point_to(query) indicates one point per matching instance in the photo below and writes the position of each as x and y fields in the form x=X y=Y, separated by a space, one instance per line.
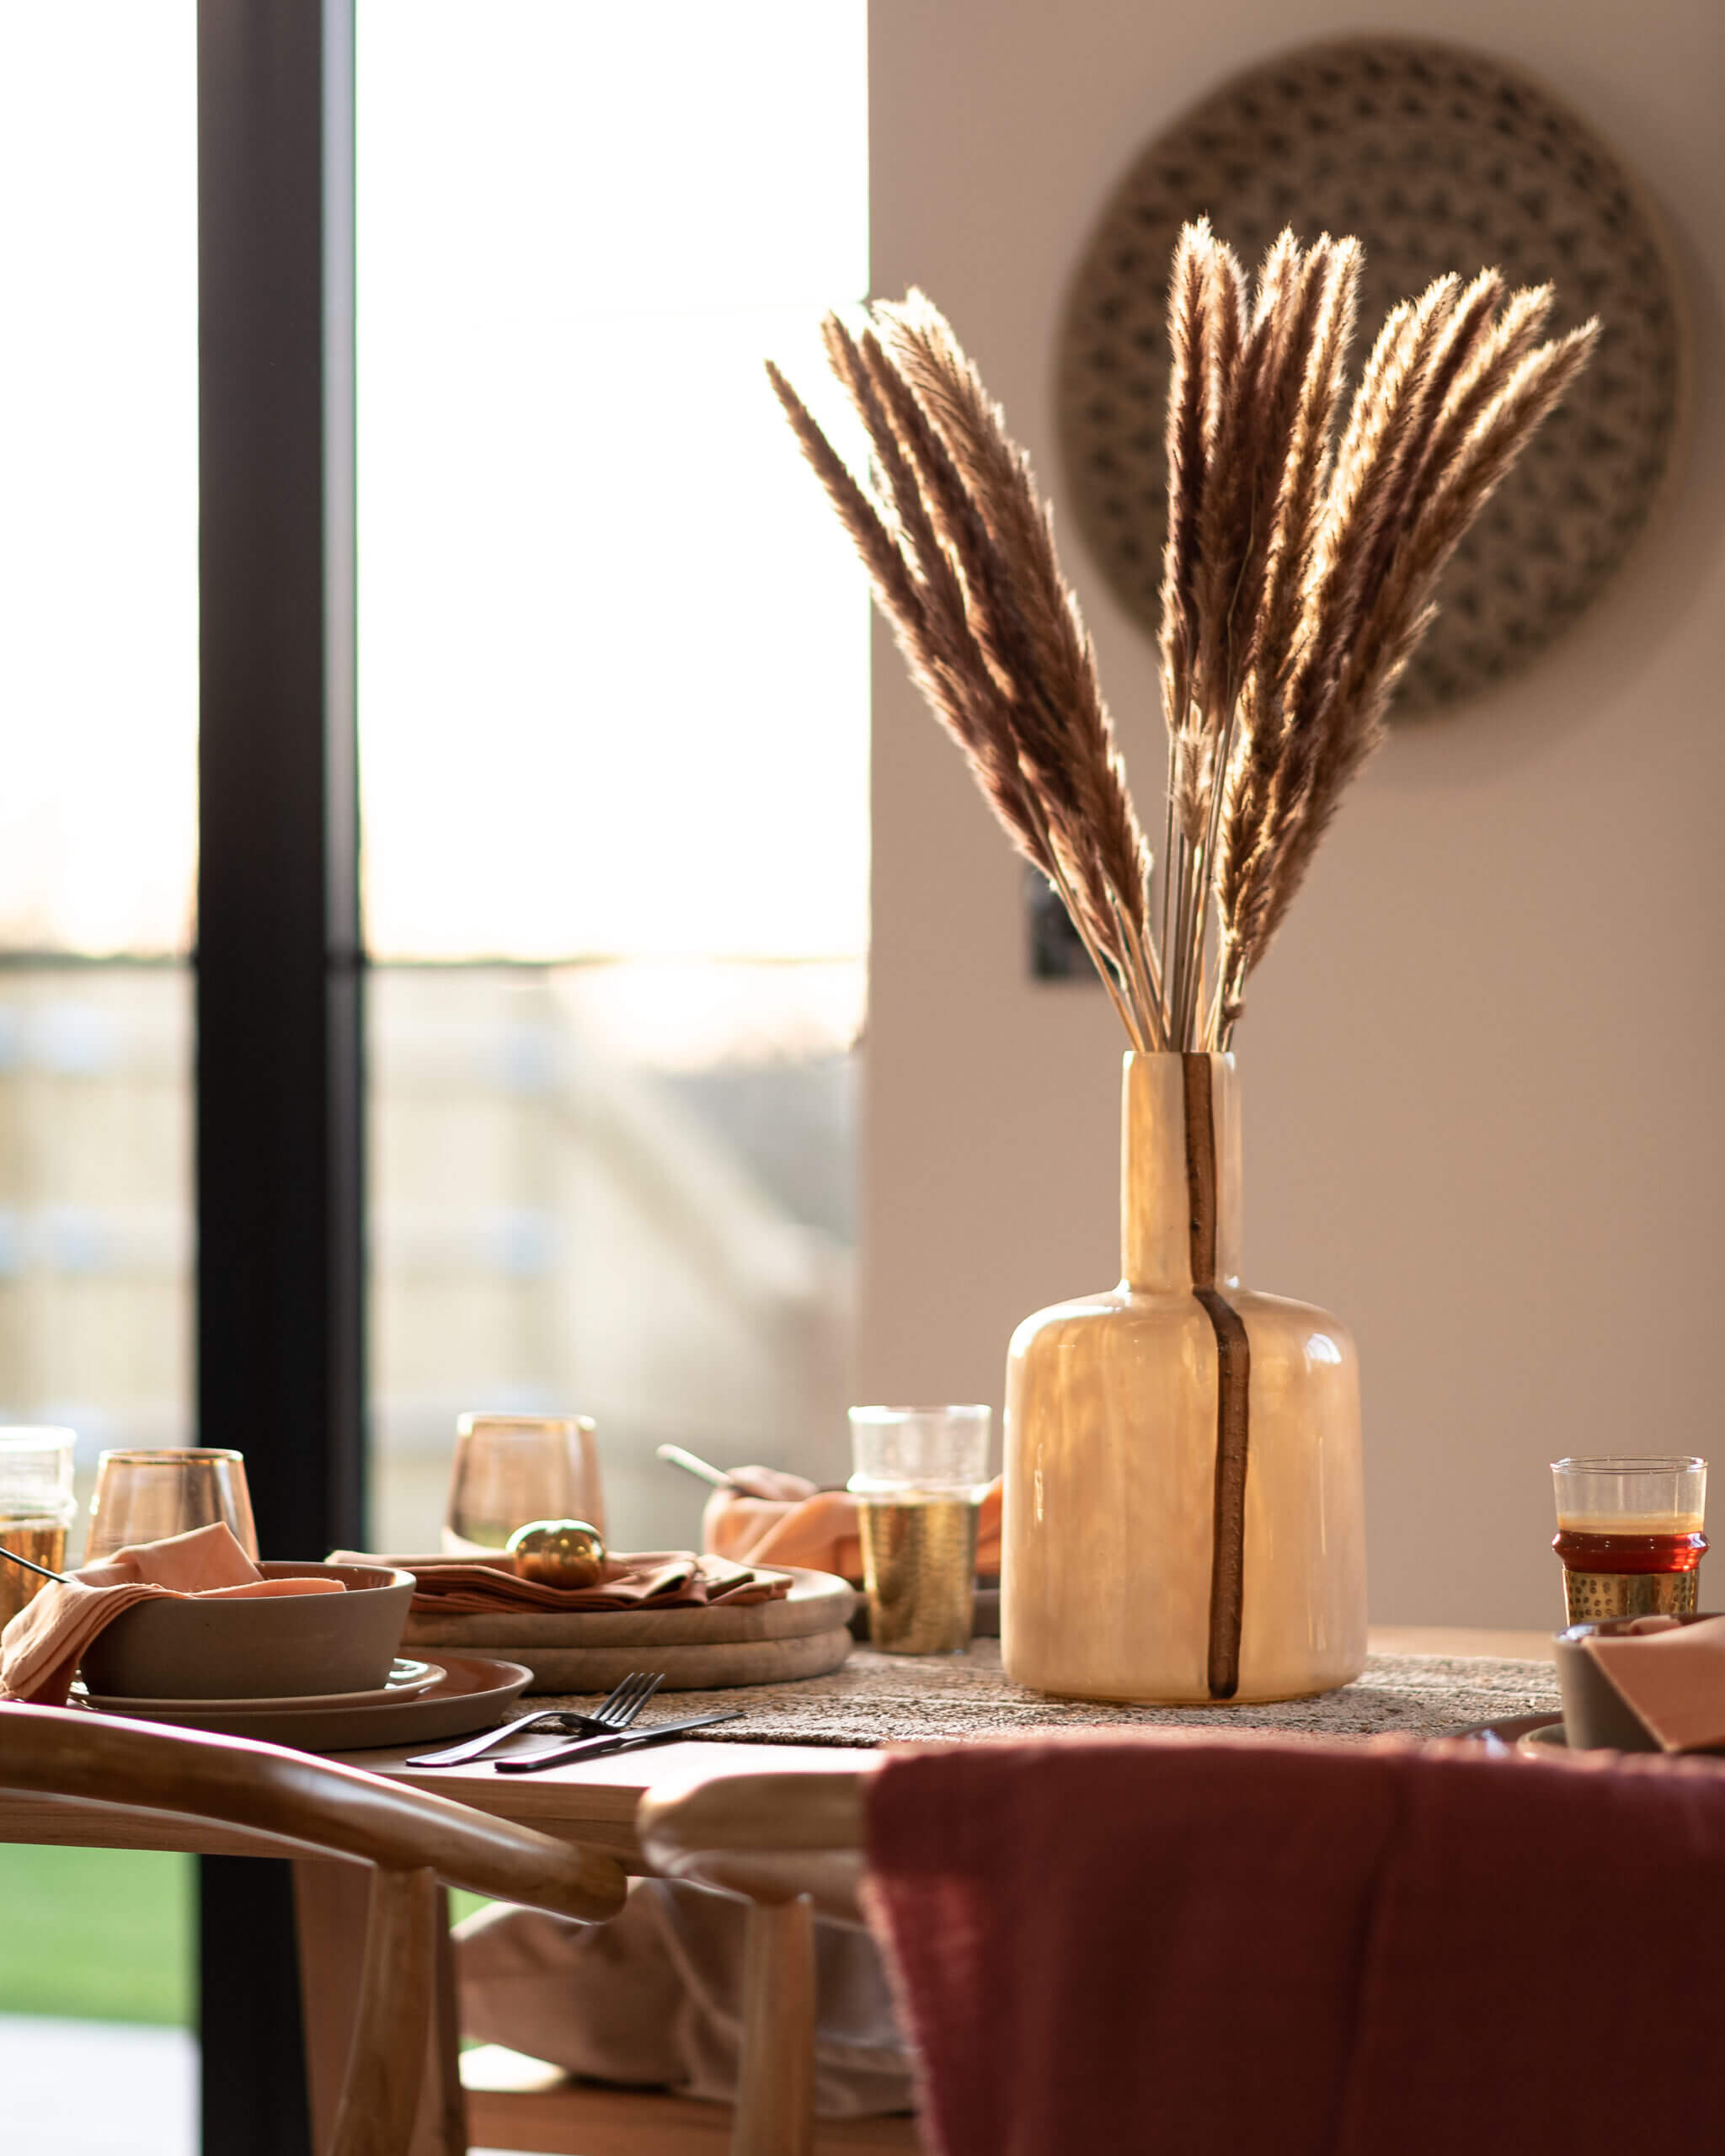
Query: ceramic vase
x=1183 y=1514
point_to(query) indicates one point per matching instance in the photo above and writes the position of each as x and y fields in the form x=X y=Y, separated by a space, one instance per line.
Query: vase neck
x=1179 y=1173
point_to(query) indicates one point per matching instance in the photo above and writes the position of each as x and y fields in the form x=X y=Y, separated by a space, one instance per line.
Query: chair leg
x=442 y=2129
x=775 y=2114
x=385 y=2068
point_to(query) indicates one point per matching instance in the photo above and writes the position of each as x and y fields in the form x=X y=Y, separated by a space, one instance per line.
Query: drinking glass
x=919 y=1476
x=36 y=1508
x=146 y=1496
x=1629 y=1534
x=511 y=1469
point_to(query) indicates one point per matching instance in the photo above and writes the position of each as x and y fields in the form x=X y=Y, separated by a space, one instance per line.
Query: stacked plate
x=805 y=1634
x=419 y=1701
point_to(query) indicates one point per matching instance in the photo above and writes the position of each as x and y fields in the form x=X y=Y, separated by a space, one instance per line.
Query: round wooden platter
x=686 y=1669
x=818 y=1602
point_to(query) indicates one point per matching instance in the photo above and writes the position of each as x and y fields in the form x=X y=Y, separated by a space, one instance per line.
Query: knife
x=590 y=1747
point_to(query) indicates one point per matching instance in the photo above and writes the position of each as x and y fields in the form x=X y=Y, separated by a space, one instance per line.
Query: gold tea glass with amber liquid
x=1630 y=1535
x=36 y=1508
x=920 y=1473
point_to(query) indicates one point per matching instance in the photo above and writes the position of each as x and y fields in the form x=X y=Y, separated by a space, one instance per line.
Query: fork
x=611 y=1718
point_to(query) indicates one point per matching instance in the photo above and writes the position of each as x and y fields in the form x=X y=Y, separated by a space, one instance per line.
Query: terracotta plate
x=465 y=1694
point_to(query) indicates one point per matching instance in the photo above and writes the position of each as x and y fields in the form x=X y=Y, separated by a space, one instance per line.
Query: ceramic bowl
x=1595 y=1718
x=278 y=1646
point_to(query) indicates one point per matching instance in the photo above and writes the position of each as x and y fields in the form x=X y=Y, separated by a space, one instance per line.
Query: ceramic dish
x=405 y=1679
x=278 y=1647
x=1595 y=1714
x=469 y=1694
x=1552 y=1738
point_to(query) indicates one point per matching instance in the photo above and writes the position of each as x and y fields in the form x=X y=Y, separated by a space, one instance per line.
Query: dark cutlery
x=591 y=1747
x=610 y=1717
x=30 y=1565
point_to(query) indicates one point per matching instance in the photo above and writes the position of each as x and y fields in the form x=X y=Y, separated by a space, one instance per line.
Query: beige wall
x=1481 y=1068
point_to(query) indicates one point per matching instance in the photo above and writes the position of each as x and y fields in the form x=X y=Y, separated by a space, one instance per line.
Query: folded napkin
x=651 y=1579
x=1671 y=1677
x=1182 y=1941
x=42 y=1646
x=791 y=1522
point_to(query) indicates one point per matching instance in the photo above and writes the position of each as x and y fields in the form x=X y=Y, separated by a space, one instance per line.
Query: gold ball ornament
x=558 y=1553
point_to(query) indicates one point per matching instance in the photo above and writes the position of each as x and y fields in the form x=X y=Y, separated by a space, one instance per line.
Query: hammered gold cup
x=919 y=1477
x=1593 y=1598
x=36 y=1508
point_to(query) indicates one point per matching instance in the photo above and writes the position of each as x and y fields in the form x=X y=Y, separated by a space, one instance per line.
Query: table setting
x=542 y=1649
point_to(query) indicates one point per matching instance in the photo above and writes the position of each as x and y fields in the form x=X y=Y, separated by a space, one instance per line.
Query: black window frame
x=279 y=960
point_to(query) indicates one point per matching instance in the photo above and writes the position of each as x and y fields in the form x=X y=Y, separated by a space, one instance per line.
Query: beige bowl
x=278 y=1646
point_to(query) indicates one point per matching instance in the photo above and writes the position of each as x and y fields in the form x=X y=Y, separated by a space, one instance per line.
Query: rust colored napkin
x=649 y=1579
x=1671 y=1677
x=1176 y=1942
x=42 y=1646
x=798 y=1524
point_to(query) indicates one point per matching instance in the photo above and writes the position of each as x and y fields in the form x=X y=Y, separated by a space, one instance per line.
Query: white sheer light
x=613 y=648
x=98 y=475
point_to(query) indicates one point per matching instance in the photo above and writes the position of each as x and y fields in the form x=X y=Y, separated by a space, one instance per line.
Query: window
x=610 y=716
x=99 y=689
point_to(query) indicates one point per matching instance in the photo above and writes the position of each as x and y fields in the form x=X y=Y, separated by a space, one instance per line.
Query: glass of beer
x=147 y=1496
x=36 y=1508
x=511 y=1469
x=1629 y=1534
x=920 y=1473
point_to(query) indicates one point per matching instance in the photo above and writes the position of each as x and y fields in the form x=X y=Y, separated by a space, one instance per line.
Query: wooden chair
x=792 y=1844
x=417 y=1845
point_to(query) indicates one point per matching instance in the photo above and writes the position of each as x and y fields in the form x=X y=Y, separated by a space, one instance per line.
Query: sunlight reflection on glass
x=99 y=441
x=614 y=657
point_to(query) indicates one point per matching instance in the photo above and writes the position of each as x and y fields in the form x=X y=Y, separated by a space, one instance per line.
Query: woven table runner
x=883 y=1699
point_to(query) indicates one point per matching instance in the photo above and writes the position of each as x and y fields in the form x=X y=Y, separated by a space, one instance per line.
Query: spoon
x=703 y=1470
x=30 y=1565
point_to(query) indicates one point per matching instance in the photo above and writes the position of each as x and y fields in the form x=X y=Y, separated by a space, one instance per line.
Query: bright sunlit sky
x=613 y=651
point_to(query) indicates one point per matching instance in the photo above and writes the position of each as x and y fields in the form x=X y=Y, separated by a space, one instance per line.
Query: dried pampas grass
x=1297 y=581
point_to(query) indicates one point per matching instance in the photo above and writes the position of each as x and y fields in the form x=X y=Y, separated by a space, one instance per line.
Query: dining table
x=1419 y=1682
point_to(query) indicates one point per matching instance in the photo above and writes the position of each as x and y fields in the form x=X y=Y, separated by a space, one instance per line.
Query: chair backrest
x=772 y=1837
x=316 y=1804
x=414 y=1840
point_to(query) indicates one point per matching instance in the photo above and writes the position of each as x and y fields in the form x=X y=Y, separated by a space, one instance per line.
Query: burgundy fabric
x=1193 y=1943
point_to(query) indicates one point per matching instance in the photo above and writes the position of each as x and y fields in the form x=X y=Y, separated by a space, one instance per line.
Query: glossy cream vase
x=1113 y=1515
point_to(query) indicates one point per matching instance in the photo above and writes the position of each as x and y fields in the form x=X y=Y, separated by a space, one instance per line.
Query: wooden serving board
x=571 y=1650
x=686 y=1669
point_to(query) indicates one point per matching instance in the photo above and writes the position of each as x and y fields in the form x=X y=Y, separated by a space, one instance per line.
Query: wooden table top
x=593 y=1801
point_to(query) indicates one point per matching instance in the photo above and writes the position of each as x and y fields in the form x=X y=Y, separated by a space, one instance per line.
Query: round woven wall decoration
x=1438 y=159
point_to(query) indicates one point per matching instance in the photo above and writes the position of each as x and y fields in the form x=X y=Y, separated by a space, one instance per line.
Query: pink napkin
x=649 y=1579
x=42 y=1646
x=781 y=1519
x=1672 y=1678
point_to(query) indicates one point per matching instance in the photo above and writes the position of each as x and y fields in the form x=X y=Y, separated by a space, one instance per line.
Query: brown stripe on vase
x=1227 y=1578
